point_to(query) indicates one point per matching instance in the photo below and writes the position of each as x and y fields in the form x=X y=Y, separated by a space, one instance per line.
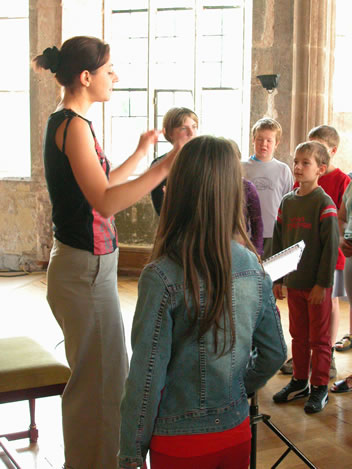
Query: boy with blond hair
x=307 y=213
x=272 y=178
x=334 y=182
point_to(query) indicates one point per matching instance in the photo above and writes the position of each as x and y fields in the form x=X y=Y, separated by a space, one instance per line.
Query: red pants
x=311 y=338
x=236 y=457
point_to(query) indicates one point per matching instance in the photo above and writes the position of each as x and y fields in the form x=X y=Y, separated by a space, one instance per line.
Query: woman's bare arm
x=106 y=197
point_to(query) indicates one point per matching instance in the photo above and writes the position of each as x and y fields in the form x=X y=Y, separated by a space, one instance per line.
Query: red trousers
x=311 y=338
x=236 y=457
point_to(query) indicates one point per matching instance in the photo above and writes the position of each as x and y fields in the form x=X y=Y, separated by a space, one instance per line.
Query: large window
x=14 y=89
x=342 y=98
x=169 y=53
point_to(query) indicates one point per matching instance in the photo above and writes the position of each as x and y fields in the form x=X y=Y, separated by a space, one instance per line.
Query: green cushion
x=25 y=364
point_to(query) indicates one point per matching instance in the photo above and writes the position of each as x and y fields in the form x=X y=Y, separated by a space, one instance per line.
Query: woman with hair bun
x=82 y=274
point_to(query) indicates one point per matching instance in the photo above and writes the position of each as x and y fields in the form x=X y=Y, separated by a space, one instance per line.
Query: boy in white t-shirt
x=272 y=178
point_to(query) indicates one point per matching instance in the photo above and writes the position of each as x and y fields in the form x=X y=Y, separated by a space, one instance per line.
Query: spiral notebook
x=284 y=262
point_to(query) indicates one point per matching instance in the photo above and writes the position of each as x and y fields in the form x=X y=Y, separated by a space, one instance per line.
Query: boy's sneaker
x=317 y=400
x=295 y=389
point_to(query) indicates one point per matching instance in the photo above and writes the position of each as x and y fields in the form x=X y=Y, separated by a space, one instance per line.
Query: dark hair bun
x=52 y=58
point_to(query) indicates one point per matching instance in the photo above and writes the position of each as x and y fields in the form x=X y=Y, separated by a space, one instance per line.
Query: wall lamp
x=269 y=82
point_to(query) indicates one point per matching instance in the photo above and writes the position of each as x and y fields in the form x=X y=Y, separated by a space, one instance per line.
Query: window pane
x=222 y=59
x=173 y=49
x=129 y=25
x=120 y=103
x=175 y=23
x=220 y=3
x=342 y=100
x=129 y=49
x=131 y=75
x=343 y=21
x=138 y=106
x=120 y=26
x=167 y=100
x=15 y=76
x=125 y=137
x=231 y=73
x=212 y=22
x=211 y=75
x=129 y=103
x=174 y=3
x=217 y=106
x=163 y=147
x=212 y=48
x=130 y=5
x=173 y=76
x=129 y=110
x=14 y=135
x=232 y=23
x=15 y=8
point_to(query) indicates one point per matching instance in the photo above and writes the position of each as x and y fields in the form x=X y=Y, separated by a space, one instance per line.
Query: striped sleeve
x=328 y=211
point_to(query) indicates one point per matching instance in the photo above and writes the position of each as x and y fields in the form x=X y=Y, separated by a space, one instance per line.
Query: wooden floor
x=325 y=438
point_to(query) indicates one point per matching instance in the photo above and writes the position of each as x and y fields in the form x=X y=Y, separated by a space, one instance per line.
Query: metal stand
x=256 y=417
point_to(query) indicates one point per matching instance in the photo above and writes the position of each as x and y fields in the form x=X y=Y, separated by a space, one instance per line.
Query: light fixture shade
x=269 y=82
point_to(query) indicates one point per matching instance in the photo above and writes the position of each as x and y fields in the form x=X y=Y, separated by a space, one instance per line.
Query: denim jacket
x=176 y=384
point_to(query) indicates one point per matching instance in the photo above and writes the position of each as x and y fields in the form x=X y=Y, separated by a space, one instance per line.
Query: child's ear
x=322 y=169
x=333 y=150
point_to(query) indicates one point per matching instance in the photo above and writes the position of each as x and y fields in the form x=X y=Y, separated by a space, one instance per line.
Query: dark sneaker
x=287 y=367
x=317 y=400
x=295 y=389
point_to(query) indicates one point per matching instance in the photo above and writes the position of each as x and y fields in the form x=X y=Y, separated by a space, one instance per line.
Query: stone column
x=294 y=39
x=45 y=31
x=272 y=53
x=313 y=45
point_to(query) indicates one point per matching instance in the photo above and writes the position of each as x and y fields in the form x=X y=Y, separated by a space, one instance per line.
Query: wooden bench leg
x=33 y=431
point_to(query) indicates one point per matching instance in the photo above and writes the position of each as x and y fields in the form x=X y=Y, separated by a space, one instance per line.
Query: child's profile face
x=265 y=144
x=306 y=169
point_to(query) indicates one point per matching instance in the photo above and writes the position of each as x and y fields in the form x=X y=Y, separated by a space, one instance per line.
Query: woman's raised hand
x=146 y=139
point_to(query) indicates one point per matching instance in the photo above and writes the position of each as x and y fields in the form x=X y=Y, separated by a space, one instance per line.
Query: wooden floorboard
x=325 y=438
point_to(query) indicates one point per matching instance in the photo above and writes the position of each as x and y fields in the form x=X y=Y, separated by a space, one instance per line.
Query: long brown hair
x=201 y=213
